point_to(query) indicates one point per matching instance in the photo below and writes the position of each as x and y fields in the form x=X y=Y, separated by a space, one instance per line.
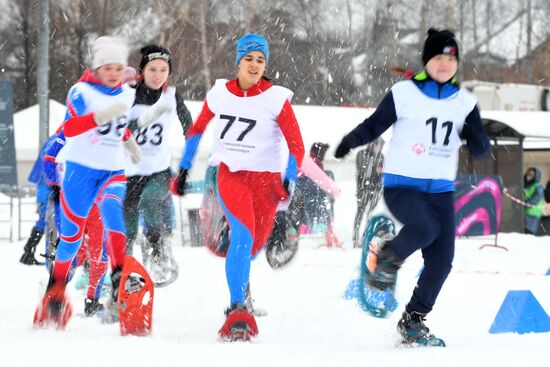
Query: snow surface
x=308 y=323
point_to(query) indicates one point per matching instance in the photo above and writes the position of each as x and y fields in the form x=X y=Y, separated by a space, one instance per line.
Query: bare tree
x=249 y=15
x=349 y=10
x=425 y=16
x=450 y=17
x=43 y=70
x=474 y=30
x=204 y=46
x=528 y=54
x=26 y=33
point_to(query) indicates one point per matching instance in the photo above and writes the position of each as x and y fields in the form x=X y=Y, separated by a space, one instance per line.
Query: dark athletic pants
x=428 y=224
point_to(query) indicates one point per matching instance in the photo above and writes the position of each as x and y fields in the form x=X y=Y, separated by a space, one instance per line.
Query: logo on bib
x=419 y=148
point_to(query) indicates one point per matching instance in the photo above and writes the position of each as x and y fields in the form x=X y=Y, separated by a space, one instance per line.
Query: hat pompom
x=432 y=31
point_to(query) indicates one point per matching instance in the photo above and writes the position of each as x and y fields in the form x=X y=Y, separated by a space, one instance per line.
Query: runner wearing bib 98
x=95 y=130
x=252 y=118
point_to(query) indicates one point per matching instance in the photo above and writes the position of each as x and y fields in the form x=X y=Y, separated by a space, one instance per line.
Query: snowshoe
x=375 y=296
x=110 y=313
x=159 y=262
x=378 y=303
x=53 y=309
x=249 y=304
x=239 y=324
x=382 y=264
x=212 y=219
x=92 y=307
x=415 y=333
x=282 y=245
x=49 y=255
x=28 y=257
x=217 y=239
x=369 y=187
x=135 y=296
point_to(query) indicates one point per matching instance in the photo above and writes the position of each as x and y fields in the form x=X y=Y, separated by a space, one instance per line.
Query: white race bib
x=426 y=136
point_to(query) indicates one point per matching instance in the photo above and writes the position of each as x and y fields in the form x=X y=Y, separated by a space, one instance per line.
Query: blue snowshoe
x=378 y=271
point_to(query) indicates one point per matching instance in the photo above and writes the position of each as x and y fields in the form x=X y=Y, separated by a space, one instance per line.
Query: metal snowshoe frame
x=367 y=163
x=378 y=304
x=162 y=261
x=51 y=236
x=281 y=246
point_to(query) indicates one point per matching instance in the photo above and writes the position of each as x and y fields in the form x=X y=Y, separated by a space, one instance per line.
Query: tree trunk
x=350 y=18
x=425 y=18
x=27 y=51
x=249 y=15
x=80 y=33
x=103 y=29
x=488 y=28
x=528 y=54
x=204 y=46
x=450 y=16
x=392 y=35
x=461 y=30
x=474 y=30
x=160 y=10
x=43 y=70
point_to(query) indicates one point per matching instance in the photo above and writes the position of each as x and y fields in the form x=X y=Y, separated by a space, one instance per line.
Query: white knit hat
x=109 y=50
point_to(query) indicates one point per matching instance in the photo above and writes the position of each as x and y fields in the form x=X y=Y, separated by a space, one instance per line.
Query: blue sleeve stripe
x=291 y=168
x=420 y=184
x=191 y=146
x=76 y=102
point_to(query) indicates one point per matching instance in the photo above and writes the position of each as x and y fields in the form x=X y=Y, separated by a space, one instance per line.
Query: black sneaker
x=92 y=306
x=384 y=274
x=413 y=331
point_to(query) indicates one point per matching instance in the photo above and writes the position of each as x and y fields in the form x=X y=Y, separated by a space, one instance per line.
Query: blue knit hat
x=251 y=42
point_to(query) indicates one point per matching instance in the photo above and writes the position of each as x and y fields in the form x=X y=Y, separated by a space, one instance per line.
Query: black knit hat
x=152 y=52
x=439 y=42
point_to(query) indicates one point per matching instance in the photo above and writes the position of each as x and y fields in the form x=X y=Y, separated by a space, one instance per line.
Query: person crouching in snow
x=95 y=131
x=252 y=119
x=430 y=115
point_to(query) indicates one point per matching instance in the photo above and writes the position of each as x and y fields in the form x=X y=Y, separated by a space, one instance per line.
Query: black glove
x=56 y=191
x=342 y=149
x=178 y=184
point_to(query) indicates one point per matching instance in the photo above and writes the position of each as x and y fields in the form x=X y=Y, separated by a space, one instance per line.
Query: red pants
x=249 y=201
x=94 y=251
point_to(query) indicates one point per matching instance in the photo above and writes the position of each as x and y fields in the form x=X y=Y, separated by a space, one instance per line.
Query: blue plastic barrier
x=520 y=313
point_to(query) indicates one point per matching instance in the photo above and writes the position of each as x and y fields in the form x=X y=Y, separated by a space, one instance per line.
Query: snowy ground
x=308 y=322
